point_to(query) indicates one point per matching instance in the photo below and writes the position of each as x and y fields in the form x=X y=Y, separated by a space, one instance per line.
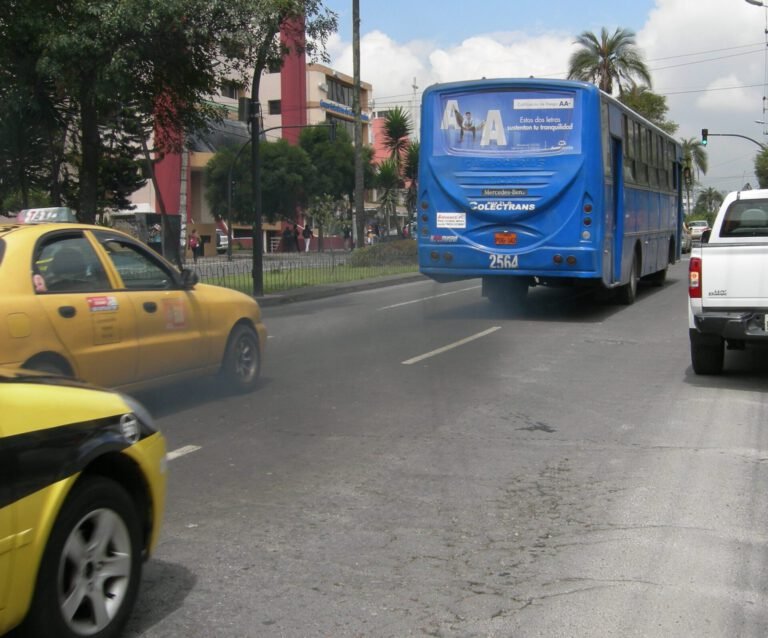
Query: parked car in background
x=97 y=304
x=698 y=227
x=83 y=494
x=222 y=241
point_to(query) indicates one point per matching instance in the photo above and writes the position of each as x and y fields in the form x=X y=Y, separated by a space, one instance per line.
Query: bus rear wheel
x=628 y=292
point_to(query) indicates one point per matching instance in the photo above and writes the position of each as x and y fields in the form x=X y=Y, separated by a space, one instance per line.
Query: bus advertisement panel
x=508 y=122
x=544 y=182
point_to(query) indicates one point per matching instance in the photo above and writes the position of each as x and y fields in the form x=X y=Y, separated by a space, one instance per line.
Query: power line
x=685 y=55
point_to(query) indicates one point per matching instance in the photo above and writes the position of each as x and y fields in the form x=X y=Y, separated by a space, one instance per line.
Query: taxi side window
x=68 y=264
x=137 y=268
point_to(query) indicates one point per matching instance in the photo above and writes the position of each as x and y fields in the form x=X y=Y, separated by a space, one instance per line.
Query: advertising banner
x=511 y=122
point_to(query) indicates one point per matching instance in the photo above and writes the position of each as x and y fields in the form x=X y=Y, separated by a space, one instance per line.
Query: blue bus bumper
x=460 y=262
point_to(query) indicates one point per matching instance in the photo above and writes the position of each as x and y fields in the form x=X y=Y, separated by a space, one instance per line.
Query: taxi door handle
x=67 y=311
x=150 y=306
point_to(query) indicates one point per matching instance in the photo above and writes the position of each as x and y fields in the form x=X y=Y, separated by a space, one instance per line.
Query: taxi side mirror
x=188 y=279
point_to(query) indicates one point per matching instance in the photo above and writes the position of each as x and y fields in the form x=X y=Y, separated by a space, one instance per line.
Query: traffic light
x=704 y=134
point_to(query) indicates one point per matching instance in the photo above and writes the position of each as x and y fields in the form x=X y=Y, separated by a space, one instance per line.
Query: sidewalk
x=330 y=290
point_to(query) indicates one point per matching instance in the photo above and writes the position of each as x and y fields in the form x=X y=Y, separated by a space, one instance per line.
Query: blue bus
x=527 y=182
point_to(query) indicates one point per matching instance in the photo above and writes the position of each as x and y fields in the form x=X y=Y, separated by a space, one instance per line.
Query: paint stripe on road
x=182 y=451
x=451 y=346
x=442 y=294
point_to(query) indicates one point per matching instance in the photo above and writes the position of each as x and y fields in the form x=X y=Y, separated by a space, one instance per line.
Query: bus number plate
x=505 y=239
x=503 y=261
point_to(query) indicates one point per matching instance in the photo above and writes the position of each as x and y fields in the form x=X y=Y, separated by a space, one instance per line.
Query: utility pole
x=358 y=214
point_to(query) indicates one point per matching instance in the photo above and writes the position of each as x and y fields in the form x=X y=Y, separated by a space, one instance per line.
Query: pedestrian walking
x=296 y=237
x=287 y=239
x=347 y=238
x=307 y=235
x=194 y=244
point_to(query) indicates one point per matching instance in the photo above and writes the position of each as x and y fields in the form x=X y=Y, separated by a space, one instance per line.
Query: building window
x=339 y=92
x=230 y=90
x=274 y=107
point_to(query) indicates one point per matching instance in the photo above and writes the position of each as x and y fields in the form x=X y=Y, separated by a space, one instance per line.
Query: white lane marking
x=451 y=346
x=187 y=449
x=442 y=294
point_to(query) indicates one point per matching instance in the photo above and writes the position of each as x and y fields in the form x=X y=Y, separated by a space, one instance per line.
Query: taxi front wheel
x=91 y=568
x=242 y=360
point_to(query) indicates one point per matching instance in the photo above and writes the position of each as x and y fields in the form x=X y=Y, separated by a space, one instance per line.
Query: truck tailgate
x=734 y=275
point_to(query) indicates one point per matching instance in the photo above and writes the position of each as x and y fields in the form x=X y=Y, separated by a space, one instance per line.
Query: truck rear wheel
x=707 y=353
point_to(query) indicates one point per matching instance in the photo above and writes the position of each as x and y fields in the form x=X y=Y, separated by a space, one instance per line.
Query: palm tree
x=397 y=130
x=388 y=179
x=610 y=59
x=411 y=173
x=694 y=160
x=709 y=200
x=396 y=139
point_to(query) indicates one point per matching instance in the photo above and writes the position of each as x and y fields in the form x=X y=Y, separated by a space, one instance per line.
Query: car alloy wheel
x=90 y=572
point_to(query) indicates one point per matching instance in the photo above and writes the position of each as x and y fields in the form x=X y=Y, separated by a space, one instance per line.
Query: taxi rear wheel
x=91 y=568
x=50 y=365
x=242 y=360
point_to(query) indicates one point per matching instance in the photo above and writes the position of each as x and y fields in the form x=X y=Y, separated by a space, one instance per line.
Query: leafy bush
x=398 y=252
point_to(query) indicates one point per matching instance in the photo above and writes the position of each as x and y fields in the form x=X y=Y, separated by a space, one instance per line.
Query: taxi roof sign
x=46 y=215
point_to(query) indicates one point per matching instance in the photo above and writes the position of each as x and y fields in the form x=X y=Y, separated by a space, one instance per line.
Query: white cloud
x=721 y=97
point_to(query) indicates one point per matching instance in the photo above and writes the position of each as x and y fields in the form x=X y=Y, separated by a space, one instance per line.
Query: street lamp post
x=258 y=265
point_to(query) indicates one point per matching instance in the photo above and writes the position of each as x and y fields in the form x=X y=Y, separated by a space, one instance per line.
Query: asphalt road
x=417 y=463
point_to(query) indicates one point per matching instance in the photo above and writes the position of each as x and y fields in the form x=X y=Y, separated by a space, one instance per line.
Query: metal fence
x=284 y=271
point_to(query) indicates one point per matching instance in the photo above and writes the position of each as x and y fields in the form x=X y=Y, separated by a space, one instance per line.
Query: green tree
x=117 y=65
x=411 y=173
x=707 y=203
x=761 y=168
x=694 y=163
x=650 y=105
x=287 y=177
x=32 y=115
x=397 y=130
x=333 y=159
x=608 y=61
x=323 y=209
x=396 y=134
x=388 y=180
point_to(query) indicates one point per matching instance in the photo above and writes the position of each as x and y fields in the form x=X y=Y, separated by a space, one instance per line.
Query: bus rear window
x=512 y=122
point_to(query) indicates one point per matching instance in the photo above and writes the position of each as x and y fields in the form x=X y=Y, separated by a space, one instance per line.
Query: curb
x=331 y=290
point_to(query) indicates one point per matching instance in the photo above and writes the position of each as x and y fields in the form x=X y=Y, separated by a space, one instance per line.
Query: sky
x=709 y=58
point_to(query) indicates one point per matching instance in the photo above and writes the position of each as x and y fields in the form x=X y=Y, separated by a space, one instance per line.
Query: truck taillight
x=694 y=278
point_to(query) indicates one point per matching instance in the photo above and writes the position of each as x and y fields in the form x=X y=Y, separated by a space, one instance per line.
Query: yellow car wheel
x=90 y=572
x=49 y=364
x=242 y=360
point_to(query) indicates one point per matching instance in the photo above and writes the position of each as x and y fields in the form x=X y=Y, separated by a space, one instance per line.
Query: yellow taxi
x=82 y=495
x=95 y=303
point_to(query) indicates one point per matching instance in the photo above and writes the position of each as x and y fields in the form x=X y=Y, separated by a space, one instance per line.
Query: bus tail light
x=694 y=278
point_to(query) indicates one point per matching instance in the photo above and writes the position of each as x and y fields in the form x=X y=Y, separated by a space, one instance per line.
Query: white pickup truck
x=728 y=281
